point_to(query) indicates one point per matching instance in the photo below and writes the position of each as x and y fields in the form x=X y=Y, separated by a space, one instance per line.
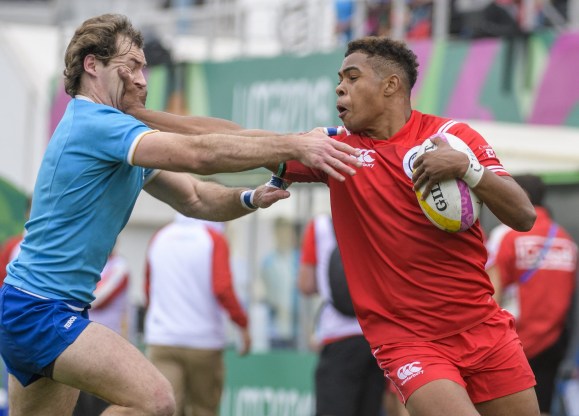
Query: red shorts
x=487 y=360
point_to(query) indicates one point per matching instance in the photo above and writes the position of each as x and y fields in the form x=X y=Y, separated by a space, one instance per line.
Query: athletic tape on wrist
x=247 y=200
x=474 y=172
x=333 y=131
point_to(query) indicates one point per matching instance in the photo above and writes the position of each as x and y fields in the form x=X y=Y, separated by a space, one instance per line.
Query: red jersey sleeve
x=298 y=172
x=482 y=150
x=309 y=245
x=222 y=282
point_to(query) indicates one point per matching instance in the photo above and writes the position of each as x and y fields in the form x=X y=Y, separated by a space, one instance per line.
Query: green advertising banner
x=279 y=383
x=288 y=93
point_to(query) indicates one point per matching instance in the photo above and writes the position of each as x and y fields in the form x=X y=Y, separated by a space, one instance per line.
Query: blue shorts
x=35 y=331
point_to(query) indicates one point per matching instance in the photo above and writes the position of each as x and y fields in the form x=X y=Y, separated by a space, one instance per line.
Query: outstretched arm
x=232 y=151
x=133 y=103
x=208 y=200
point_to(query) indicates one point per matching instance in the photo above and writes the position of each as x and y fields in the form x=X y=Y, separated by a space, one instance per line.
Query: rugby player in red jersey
x=421 y=295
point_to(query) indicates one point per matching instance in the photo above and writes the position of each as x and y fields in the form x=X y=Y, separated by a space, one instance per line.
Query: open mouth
x=341 y=111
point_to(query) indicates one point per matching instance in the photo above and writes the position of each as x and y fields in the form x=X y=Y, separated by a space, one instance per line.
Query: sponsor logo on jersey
x=408 y=371
x=70 y=321
x=366 y=157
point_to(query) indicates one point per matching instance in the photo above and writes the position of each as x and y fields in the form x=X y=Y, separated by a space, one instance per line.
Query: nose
x=140 y=79
x=340 y=90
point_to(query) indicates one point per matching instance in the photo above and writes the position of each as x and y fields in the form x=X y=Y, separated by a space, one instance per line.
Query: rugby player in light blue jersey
x=95 y=165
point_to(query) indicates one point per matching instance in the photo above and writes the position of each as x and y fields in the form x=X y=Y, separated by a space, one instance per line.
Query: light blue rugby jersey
x=83 y=197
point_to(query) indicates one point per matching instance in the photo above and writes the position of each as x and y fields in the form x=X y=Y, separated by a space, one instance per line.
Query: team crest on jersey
x=408 y=161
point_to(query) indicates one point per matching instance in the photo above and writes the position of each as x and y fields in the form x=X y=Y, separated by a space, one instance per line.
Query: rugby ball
x=451 y=205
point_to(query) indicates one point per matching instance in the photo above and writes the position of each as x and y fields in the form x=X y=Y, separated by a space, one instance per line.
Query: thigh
x=440 y=398
x=523 y=403
x=103 y=363
x=43 y=397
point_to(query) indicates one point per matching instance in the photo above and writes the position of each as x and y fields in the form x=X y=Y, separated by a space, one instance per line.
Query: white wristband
x=474 y=172
x=246 y=198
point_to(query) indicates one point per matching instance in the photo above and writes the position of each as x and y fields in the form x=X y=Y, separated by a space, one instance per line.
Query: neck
x=389 y=124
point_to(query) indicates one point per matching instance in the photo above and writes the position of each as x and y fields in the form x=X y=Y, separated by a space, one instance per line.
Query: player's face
x=360 y=100
x=133 y=58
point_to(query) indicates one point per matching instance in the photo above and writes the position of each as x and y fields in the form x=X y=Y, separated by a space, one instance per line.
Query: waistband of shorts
x=75 y=305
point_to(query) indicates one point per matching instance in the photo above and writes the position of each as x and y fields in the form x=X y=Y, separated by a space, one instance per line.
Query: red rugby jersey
x=409 y=280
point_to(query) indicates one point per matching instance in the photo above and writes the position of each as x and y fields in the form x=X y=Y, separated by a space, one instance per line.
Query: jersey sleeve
x=222 y=281
x=297 y=172
x=309 y=245
x=482 y=150
x=116 y=134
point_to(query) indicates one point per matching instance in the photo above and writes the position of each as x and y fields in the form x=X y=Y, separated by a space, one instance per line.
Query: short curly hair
x=98 y=36
x=388 y=52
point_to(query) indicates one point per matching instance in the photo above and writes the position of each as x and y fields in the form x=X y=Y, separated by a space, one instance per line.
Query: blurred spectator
x=279 y=271
x=110 y=308
x=348 y=382
x=534 y=278
x=419 y=19
x=8 y=251
x=498 y=18
x=378 y=17
x=189 y=286
x=344 y=15
x=416 y=18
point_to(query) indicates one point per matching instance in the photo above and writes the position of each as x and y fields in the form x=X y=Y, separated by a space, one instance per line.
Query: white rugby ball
x=450 y=205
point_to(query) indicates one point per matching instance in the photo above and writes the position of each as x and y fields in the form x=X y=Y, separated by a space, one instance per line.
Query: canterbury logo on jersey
x=408 y=371
x=366 y=157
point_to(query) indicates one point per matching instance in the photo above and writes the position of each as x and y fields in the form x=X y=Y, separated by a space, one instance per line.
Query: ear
x=89 y=64
x=391 y=84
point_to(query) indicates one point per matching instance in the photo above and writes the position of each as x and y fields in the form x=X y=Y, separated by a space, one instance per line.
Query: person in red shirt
x=421 y=295
x=534 y=278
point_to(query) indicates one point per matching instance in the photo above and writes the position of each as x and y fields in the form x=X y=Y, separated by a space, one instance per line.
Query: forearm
x=506 y=200
x=215 y=202
x=174 y=123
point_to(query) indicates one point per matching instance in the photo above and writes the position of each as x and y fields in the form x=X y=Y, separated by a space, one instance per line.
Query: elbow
x=202 y=165
x=525 y=220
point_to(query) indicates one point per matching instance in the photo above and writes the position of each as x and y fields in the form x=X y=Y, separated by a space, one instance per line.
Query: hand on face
x=133 y=96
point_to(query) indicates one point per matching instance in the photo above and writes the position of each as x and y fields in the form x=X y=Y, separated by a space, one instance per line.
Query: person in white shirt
x=189 y=287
